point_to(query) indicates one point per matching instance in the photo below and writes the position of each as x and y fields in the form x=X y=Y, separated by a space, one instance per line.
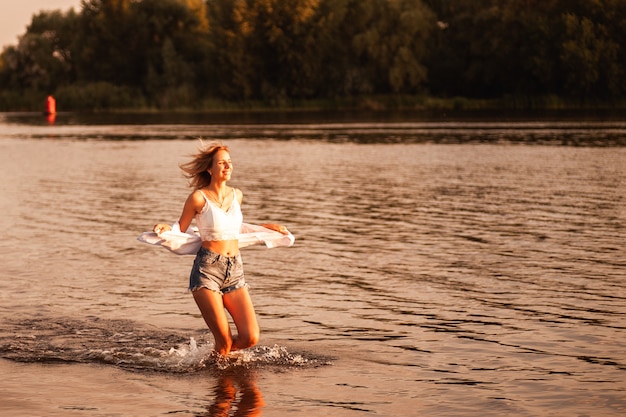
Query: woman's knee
x=248 y=339
x=253 y=338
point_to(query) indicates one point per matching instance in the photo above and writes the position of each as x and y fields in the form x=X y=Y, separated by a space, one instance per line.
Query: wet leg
x=211 y=306
x=239 y=305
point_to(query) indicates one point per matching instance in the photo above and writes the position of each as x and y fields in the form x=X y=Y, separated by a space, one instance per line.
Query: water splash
x=276 y=355
x=182 y=359
x=192 y=357
x=132 y=346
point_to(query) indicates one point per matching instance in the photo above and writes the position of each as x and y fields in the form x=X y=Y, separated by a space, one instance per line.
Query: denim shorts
x=216 y=272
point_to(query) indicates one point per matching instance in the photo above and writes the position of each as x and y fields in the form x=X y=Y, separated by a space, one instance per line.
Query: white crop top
x=214 y=223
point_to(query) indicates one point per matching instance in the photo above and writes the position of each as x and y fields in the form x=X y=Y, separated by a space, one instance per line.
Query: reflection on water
x=236 y=394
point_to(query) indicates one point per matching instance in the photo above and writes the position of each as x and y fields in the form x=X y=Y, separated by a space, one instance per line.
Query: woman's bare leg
x=239 y=305
x=212 y=308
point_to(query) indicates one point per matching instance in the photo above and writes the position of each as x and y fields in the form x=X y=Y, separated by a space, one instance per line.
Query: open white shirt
x=188 y=243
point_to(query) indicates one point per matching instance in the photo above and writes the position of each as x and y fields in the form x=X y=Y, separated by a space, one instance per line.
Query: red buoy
x=51 y=105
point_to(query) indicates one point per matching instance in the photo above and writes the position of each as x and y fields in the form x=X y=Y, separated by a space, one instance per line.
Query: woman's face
x=222 y=167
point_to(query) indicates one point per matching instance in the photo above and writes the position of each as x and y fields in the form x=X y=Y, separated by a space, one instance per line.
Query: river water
x=446 y=266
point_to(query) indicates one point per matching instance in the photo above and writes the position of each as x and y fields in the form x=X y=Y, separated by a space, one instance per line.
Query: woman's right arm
x=193 y=204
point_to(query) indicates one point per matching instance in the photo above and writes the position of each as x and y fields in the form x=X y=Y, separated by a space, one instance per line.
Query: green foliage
x=41 y=60
x=529 y=47
x=588 y=56
x=21 y=100
x=390 y=42
x=265 y=48
x=176 y=54
x=99 y=96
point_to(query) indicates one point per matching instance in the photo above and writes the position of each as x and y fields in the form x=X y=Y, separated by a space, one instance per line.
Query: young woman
x=217 y=279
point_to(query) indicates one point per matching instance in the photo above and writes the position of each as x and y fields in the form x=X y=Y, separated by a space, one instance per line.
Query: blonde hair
x=196 y=170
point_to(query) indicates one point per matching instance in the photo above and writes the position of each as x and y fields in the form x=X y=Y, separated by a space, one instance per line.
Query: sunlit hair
x=196 y=169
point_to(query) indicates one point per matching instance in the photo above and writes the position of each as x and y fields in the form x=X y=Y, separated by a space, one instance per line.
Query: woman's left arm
x=276 y=227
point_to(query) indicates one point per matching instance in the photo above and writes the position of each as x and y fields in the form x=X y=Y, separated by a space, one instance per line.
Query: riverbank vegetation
x=372 y=54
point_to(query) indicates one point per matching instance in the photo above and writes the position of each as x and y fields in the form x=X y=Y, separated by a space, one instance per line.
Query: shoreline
x=29 y=101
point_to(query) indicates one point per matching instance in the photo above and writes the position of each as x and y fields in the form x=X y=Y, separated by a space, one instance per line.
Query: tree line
x=192 y=53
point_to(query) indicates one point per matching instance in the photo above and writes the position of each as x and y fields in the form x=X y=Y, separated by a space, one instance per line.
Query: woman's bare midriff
x=223 y=247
